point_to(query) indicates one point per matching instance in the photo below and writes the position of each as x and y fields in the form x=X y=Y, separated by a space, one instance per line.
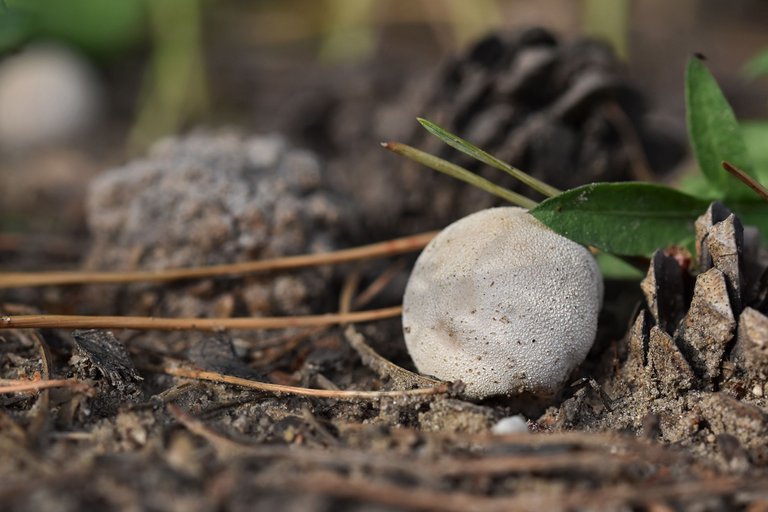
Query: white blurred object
x=511 y=425
x=48 y=94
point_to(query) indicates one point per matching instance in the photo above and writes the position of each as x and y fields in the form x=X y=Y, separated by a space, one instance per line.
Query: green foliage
x=459 y=173
x=608 y=20
x=758 y=65
x=470 y=149
x=635 y=219
x=99 y=27
x=627 y=219
x=614 y=267
x=715 y=134
x=13 y=29
x=755 y=135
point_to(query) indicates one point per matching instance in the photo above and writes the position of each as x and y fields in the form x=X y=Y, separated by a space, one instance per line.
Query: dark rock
x=106 y=356
x=99 y=356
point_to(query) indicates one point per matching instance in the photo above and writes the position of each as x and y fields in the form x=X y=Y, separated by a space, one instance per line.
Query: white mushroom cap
x=502 y=303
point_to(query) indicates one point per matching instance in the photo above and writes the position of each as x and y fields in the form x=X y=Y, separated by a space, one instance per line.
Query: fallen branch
x=294 y=390
x=190 y=324
x=380 y=249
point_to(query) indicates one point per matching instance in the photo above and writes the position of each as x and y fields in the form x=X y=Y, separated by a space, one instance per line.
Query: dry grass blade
x=294 y=390
x=377 y=250
x=223 y=445
x=379 y=284
x=20 y=386
x=383 y=367
x=190 y=324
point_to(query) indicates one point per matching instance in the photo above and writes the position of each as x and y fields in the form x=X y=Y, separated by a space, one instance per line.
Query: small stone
x=48 y=94
x=107 y=356
x=511 y=425
x=757 y=390
x=746 y=423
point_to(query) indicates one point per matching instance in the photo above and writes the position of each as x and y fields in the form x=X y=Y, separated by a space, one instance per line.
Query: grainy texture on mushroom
x=502 y=303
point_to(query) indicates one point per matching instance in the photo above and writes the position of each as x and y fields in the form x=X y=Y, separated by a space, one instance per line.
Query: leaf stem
x=459 y=173
x=746 y=179
x=470 y=149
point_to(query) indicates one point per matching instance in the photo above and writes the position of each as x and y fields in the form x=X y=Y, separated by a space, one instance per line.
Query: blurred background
x=88 y=84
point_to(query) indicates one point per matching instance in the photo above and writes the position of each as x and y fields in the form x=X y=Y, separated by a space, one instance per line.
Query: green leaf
x=695 y=184
x=756 y=137
x=616 y=268
x=753 y=214
x=631 y=219
x=14 y=29
x=470 y=149
x=714 y=132
x=101 y=28
x=757 y=65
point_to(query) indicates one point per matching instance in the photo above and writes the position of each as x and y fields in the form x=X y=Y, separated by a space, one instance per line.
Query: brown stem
x=294 y=390
x=746 y=179
x=190 y=324
x=380 y=249
x=37 y=385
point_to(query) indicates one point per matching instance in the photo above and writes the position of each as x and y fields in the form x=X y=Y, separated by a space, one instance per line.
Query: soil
x=667 y=413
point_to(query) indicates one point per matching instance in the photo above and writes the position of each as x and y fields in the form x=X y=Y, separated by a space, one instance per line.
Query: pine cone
x=563 y=112
x=696 y=358
x=208 y=199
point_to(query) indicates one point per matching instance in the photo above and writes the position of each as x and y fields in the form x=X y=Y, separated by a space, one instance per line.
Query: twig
x=609 y=496
x=592 y=463
x=39 y=418
x=382 y=366
x=269 y=351
x=381 y=249
x=222 y=444
x=189 y=324
x=378 y=284
x=282 y=339
x=294 y=390
x=746 y=179
x=20 y=386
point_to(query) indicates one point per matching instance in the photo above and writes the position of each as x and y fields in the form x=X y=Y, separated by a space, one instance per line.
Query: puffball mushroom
x=502 y=303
